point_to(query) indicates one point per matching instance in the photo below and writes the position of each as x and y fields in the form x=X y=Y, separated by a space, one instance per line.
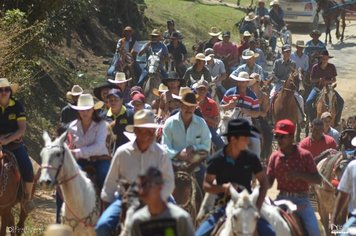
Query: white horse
x=154 y=77
x=81 y=208
x=268 y=212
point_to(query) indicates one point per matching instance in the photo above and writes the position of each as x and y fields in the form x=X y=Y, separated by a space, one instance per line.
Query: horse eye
x=58 y=154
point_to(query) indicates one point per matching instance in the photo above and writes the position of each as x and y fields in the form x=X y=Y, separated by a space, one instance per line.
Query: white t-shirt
x=348 y=184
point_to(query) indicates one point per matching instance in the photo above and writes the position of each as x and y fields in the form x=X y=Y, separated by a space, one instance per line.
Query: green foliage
x=14 y=18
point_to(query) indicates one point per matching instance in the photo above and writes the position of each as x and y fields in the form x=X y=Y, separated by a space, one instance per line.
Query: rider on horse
x=282 y=68
x=154 y=46
x=314 y=46
x=234 y=164
x=197 y=71
x=131 y=160
x=12 y=130
x=322 y=74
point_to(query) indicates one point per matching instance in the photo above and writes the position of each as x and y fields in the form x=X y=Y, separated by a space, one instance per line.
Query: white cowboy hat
x=353 y=142
x=214 y=31
x=5 y=83
x=120 y=77
x=243 y=77
x=161 y=89
x=143 y=119
x=300 y=43
x=155 y=32
x=202 y=57
x=182 y=91
x=274 y=2
x=75 y=91
x=247 y=34
x=250 y=17
x=86 y=102
x=247 y=54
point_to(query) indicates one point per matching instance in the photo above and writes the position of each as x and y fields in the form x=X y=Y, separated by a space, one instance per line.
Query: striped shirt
x=250 y=101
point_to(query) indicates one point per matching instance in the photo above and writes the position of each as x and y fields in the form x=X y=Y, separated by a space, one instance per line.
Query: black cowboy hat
x=315 y=32
x=97 y=89
x=325 y=53
x=172 y=76
x=240 y=127
x=176 y=35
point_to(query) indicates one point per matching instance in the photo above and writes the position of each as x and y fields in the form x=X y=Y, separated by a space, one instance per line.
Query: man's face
x=317 y=131
x=187 y=111
x=324 y=59
x=174 y=84
x=226 y=39
x=327 y=122
x=286 y=54
x=202 y=92
x=155 y=38
x=242 y=84
x=138 y=105
x=127 y=33
x=284 y=140
x=145 y=135
x=115 y=103
x=251 y=61
x=261 y=4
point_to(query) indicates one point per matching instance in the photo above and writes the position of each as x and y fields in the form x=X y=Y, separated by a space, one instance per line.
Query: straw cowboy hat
x=315 y=32
x=300 y=44
x=189 y=99
x=202 y=57
x=250 y=17
x=155 y=32
x=120 y=77
x=161 y=89
x=143 y=119
x=214 y=31
x=75 y=91
x=274 y=2
x=5 y=83
x=243 y=77
x=247 y=54
x=182 y=91
x=240 y=127
x=86 y=102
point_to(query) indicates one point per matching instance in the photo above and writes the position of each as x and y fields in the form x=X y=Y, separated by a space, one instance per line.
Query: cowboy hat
x=250 y=17
x=5 y=83
x=86 y=102
x=209 y=52
x=247 y=34
x=214 y=31
x=182 y=91
x=176 y=35
x=353 y=142
x=155 y=32
x=315 y=32
x=172 y=76
x=202 y=83
x=300 y=44
x=202 y=57
x=75 y=91
x=189 y=99
x=325 y=53
x=274 y=2
x=240 y=127
x=120 y=77
x=143 y=119
x=247 y=54
x=161 y=89
x=256 y=77
x=101 y=86
x=243 y=77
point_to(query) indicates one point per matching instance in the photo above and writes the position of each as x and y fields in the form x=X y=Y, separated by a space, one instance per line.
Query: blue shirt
x=261 y=11
x=311 y=47
x=175 y=137
x=260 y=60
x=156 y=47
x=300 y=62
x=282 y=69
x=256 y=69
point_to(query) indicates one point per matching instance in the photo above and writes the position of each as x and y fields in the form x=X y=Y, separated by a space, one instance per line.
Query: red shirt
x=300 y=160
x=209 y=108
x=317 y=147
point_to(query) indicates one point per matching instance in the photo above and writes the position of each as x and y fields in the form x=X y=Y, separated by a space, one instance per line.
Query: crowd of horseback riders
x=180 y=131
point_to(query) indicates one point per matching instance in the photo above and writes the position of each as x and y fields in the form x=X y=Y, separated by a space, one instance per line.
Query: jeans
x=205 y=229
x=101 y=169
x=351 y=222
x=24 y=163
x=108 y=221
x=311 y=111
x=144 y=75
x=306 y=213
x=216 y=139
x=273 y=42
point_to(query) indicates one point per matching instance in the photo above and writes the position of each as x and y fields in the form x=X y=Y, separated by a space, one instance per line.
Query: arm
x=110 y=184
x=210 y=187
x=262 y=179
x=167 y=135
x=144 y=49
x=166 y=168
x=20 y=132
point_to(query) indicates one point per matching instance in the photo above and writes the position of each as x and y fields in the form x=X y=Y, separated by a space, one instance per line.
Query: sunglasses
x=6 y=90
x=280 y=136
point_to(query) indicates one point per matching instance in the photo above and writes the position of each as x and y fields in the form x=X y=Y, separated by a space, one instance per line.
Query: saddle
x=196 y=159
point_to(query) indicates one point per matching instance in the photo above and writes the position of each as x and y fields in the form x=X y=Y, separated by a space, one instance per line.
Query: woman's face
x=86 y=115
x=5 y=93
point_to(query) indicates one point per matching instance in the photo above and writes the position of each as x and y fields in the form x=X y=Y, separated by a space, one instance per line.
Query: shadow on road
x=341 y=45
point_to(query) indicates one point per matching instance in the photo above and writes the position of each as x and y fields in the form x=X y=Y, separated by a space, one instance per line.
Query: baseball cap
x=115 y=92
x=226 y=34
x=284 y=127
x=286 y=47
x=135 y=89
x=138 y=97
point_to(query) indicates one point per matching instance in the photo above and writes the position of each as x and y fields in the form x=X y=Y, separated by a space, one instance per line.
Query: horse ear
x=46 y=138
x=255 y=193
x=159 y=52
x=234 y=194
x=63 y=138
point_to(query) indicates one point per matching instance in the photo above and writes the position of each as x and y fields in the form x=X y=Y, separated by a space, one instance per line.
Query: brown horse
x=331 y=164
x=187 y=192
x=332 y=11
x=326 y=101
x=285 y=105
x=11 y=193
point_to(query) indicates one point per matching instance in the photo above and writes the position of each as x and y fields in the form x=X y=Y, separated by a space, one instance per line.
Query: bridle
x=59 y=168
x=237 y=233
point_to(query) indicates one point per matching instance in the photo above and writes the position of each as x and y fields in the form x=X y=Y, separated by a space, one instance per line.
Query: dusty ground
x=344 y=60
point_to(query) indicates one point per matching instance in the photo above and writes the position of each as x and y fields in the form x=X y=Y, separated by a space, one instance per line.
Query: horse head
x=241 y=214
x=153 y=61
x=292 y=83
x=54 y=156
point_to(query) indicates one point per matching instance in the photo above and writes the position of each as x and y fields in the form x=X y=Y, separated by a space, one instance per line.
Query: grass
x=193 y=19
